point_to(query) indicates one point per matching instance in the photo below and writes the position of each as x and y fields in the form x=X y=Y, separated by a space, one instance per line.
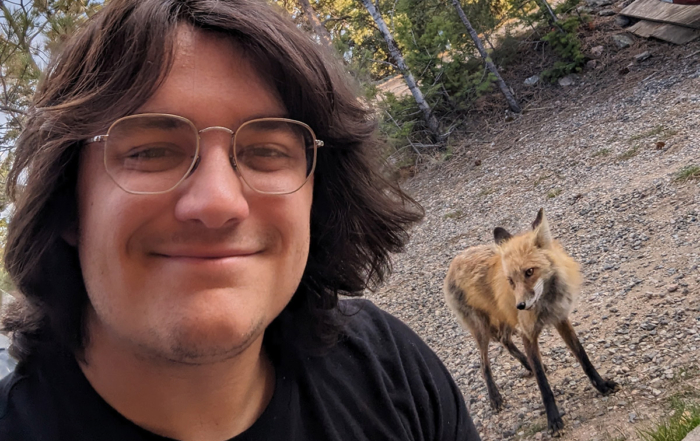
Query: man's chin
x=206 y=346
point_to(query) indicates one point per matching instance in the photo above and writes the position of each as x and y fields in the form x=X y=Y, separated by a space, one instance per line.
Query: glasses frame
x=195 y=159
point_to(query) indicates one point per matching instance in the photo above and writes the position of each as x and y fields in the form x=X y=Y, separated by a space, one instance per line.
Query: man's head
x=196 y=273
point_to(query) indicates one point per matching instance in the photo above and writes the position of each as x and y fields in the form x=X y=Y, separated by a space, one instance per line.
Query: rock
x=591 y=64
x=532 y=80
x=622 y=21
x=597 y=51
x=672 y=288
x=642 y=57
x=649 y=356
x=632 y=416
x=648 y=326
x=566 y=81
x=622 y=41
x=694 y=435
x=606 y=13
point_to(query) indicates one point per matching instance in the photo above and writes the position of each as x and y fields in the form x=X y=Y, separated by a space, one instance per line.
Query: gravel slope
x=601 y=158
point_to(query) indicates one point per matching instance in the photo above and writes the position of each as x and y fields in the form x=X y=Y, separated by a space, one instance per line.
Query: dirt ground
x=606 y=159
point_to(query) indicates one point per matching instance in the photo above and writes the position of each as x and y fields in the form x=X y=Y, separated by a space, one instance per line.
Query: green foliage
x=567 y=46
x=631 y=153
x=687 y=173
x=508 y=50
x=685 y=417
x=566 y=6
x=31 y=31
x=660 y=131
x=553 y=193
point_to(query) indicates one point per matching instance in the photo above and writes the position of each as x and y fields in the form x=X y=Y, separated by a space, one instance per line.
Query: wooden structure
x=672 y=22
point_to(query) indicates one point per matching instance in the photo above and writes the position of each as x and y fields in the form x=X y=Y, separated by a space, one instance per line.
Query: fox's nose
x=521 y=306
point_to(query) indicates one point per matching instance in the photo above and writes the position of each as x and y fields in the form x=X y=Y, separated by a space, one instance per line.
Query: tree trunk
x=316 y=24
x=512 y=103
x=430 y=119
x=551 y=16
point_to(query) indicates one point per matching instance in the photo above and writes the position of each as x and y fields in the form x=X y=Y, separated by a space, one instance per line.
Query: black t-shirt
x=379 y=382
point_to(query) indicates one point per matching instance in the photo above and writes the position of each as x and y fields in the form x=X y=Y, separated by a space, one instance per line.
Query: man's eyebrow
x=160 y=122
x=280 y=114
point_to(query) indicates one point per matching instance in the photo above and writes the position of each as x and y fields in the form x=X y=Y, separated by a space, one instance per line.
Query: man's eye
x=151 y=153
x=529 y=272
x=154 y=158
x=268 y=152
x=267 y=158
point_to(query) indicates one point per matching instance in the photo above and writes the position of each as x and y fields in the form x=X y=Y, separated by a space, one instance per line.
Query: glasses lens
x=150 y=153
x=274 y=156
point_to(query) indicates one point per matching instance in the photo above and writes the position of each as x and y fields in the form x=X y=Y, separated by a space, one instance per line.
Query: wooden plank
x=644 y=28
x=676 y=34
x=655 y=10
x=664 y=31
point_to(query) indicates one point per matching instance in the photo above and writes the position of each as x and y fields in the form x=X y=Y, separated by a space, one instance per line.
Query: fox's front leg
x=554 y=421
x=568 y=334
x=482 y=340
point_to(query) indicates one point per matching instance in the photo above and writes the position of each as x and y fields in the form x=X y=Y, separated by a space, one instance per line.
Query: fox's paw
x=528 y=372
x=497 y=403
x=608 y=387
x=556 y=427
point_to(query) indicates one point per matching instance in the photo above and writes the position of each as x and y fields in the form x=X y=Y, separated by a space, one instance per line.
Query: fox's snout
x=521 y=306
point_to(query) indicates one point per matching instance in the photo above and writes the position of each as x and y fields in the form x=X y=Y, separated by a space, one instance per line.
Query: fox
x=519 y=285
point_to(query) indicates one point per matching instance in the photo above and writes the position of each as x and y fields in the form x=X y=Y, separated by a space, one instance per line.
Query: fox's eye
x=528 y=272
x=512 y=284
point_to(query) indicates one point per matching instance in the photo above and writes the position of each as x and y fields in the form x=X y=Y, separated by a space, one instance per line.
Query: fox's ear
x=543 y=237
x=538 y=219
x=501 y=235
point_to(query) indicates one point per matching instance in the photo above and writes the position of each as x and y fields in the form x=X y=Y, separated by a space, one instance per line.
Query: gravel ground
x=602 y=158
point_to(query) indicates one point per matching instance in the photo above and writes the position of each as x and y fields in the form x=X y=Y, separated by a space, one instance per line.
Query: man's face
x=197 y=274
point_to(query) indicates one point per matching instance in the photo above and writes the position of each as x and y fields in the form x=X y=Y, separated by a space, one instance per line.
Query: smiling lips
x=207 y=254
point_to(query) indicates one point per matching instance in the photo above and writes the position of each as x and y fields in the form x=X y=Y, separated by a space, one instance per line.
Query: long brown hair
x=108 y=70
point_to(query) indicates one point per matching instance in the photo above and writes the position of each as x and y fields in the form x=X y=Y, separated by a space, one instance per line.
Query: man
x=194 y=188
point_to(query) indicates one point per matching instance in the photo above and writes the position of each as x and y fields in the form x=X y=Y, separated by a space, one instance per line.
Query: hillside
x=604 y=157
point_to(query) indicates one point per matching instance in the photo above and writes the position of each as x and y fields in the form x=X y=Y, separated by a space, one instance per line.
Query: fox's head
x=525 y=263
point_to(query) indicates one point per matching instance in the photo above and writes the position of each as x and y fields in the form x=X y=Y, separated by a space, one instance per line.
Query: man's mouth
x=208 y=254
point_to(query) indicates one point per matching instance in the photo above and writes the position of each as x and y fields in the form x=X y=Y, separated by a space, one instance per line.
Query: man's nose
x=213 y=194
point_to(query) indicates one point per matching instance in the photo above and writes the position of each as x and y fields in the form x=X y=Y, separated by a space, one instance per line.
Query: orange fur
x=522 y=282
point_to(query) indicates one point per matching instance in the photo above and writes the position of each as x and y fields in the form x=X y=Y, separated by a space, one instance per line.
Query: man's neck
x=208 y=402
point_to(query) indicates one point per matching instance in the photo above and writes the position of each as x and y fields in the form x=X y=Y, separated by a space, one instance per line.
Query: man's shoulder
x=7 y=384
x=381 y=365
x=376 y=340
x=16 y=398
x=367 y=322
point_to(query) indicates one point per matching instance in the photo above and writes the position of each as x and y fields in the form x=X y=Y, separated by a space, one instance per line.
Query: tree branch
x=12 y=109
x=332 y=19
x=21 y=34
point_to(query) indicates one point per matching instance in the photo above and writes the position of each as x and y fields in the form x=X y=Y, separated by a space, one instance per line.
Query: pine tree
x=512 y=103
x=428 y=116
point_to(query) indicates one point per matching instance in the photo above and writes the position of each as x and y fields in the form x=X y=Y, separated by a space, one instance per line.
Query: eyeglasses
x=152 y=153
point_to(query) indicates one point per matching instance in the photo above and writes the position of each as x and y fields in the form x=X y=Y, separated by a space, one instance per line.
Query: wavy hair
x=109 y=69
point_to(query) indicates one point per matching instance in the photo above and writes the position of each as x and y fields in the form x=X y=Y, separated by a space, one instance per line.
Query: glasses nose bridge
x=230 y=132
